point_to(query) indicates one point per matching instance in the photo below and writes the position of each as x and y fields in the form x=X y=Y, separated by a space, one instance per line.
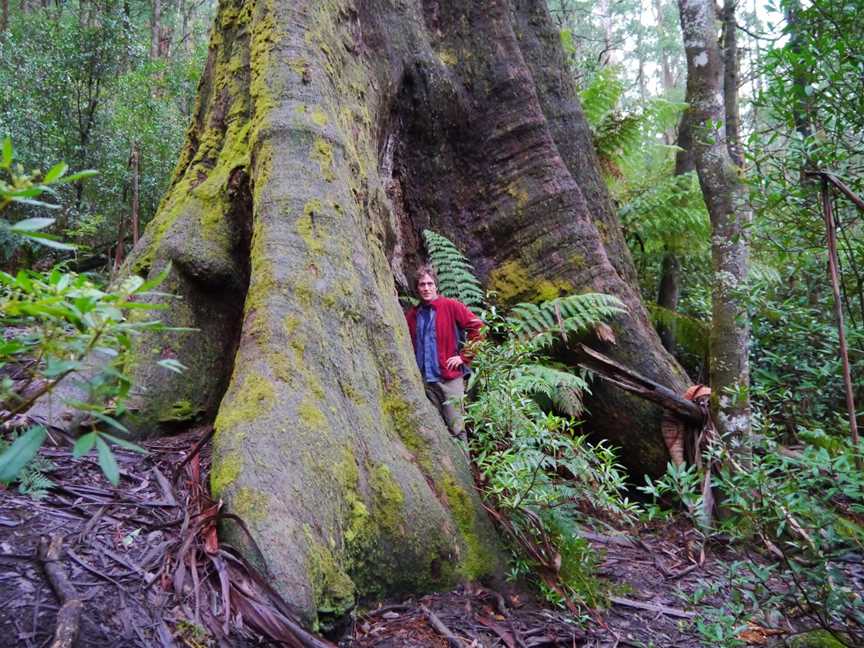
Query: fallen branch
x=662 y=609
x=637 y=384
x=442 y=629
x=69 y=615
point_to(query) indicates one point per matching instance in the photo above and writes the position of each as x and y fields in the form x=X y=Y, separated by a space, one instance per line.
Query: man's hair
x=423 y=270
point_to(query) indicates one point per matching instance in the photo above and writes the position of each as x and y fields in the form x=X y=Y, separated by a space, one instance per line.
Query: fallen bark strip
x=662 y=609
x=69 y=615
x=621 y=541
x=443 y=630
x=637 y=384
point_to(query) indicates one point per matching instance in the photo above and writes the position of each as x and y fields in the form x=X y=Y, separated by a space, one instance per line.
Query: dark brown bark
x=336 y=131
x=669 y=290
x=726 y=199
x=4 y=15
x=668 y=295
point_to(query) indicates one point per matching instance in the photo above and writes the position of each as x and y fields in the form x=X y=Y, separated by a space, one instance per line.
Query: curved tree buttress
x=326 y=135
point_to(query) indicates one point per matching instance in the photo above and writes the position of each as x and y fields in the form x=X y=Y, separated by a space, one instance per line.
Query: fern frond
x=563 y=388
x=543 y=323
x=601 y=95
x=672 y=211
x=456 y=278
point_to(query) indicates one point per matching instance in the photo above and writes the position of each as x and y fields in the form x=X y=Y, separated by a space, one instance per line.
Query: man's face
x=427 y=289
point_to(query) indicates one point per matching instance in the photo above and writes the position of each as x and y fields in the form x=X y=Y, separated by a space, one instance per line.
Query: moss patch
x=312 y=417
x=308 y=230
x=513 y=282
x=816 y=639
x=322 y=153
x=405 y=424
x=224 y=472
x=250 y=504
x=479 y=559
x=180 y=411
x=255 y=397
x=332 y=588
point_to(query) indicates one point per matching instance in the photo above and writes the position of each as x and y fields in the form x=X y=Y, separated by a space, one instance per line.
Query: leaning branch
x=635 y=383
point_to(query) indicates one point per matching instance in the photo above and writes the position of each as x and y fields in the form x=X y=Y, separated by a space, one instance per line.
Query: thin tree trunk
x=134 y=163
x=669 y=290
x=730 y=83
x=726 y=199
x=155 y=29
x=4 y=16
x=668 y=294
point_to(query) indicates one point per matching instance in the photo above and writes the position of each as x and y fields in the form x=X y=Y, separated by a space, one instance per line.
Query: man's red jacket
x=450 y=316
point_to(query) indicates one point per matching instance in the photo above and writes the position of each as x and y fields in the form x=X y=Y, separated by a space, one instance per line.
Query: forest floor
x=126 y=552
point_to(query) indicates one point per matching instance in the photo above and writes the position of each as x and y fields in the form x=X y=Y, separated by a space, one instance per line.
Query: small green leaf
x=55 y=172
x=108 y=462
x=84 y=444
x=46 y=240
x=123 y=443
x=21 y=452
x=8 y=153
x=32 y=224
x=77 y=176
x=110 y=421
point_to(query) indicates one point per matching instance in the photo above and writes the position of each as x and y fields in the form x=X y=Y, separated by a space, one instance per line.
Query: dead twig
x=69 y=615
x=440 y=628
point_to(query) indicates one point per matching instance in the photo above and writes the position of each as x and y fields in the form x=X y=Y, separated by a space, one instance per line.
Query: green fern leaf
x=456 y=278
x=542 y=324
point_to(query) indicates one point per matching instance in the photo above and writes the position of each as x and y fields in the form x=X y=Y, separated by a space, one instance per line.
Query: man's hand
x=454 y=362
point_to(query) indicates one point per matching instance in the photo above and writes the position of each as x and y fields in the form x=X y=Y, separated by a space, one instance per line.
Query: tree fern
x=456 y=278
x=31 y=479
x=559 y=318
x=671 y=211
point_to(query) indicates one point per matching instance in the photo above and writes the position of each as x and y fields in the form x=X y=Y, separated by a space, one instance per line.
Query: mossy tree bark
x=327 y=135
x=726 y=199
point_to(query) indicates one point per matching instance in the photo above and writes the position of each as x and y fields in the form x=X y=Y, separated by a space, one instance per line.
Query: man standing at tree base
x=438 y=325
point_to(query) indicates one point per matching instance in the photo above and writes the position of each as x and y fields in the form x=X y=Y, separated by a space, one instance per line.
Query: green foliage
x=61 y=325
x=20 y=188
x=537 y=472
x=77 y=83
x=670 y=213
x=456 y=277
x=30 y=474
x=691 y=334
x=804 y=511
x=559 y=318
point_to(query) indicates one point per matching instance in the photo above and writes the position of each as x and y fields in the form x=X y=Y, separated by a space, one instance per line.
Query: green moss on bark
x=254 y=398
x=405 y=424
x=224 y=472
x=480 y=559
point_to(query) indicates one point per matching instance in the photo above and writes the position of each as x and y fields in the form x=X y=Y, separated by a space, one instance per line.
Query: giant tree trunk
x=327 y=135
